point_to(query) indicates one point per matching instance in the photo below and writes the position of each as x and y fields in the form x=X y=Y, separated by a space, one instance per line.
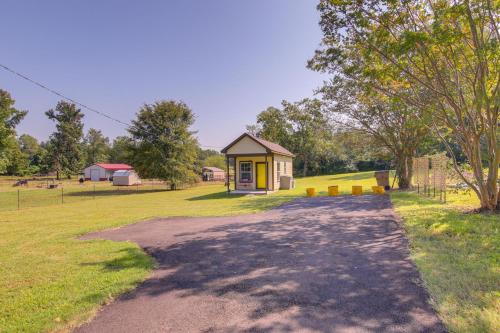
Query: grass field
x=50 y=281
x=36 y=194
x=458 y=255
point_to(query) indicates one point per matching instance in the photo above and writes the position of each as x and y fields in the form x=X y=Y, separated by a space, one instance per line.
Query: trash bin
x=311 y=192
x=357 y=190
x=382 y=178
x=378 y=189
x=333 y=190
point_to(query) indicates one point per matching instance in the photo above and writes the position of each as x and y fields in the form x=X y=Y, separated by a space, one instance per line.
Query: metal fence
x=46 y=194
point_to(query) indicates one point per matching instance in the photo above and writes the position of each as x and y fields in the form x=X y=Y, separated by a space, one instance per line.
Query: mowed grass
x=458 y=255
x=71 y=191
x=50 y=280
x=36 y=194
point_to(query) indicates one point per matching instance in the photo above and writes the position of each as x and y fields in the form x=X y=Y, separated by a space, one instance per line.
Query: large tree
x=389 y=121
x=273 y=125
x=445 y=52
x=65 y=148
x=97 y=147
x=311 y=133
x=119 y=152
x=163 y=145
x=301 y=127
x=9 y=119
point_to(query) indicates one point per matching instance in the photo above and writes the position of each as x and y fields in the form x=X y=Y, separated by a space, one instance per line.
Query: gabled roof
x=213 y=169
x=271 y=147
x=114 y=166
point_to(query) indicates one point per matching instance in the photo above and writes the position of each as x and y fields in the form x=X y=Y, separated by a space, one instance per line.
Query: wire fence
x=45 y=193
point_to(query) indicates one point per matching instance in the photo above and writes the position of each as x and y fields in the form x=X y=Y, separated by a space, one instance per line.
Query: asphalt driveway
x=326 y=264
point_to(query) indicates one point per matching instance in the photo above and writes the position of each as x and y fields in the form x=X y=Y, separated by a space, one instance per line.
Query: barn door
x=94 y=175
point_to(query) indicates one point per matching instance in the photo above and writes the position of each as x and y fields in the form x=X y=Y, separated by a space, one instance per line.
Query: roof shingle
x=270 y=146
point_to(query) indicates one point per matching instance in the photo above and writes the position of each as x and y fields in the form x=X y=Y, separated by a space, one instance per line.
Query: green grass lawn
x=51 y=281
x=458 y=255
x=69 y=191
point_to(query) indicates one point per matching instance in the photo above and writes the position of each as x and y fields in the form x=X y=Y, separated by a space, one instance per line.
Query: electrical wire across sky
x=52 y=91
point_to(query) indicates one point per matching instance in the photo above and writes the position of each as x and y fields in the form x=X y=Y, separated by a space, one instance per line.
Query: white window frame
x=249 y=172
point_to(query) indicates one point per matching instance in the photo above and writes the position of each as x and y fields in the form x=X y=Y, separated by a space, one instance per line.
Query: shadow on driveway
x=312 y=265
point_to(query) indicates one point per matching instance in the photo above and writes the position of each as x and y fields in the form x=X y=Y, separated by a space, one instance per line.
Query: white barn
x=103 y=171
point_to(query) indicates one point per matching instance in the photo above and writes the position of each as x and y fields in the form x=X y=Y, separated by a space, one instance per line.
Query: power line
x=63 y=96
x=103 y=114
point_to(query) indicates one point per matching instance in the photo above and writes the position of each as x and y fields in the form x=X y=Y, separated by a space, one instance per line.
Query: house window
x=245 y=172
x=278 y=171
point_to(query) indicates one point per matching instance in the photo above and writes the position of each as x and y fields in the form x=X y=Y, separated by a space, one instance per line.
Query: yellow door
x=261 y=175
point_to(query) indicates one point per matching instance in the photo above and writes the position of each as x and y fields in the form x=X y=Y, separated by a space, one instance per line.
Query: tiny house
x=260 y=166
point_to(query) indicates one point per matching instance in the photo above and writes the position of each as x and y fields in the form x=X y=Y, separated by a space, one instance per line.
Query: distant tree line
x=319 y=146
x=159 y=144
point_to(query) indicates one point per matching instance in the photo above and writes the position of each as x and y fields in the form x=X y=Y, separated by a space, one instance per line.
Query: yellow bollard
x=311 y=192
x=378 y=189
x=333 y=190
x=357 y=190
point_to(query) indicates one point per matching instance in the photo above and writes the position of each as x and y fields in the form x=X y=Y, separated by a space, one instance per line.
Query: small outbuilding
x=125 y=178
x=103 y=171
x=260 y=166
x=213 y=174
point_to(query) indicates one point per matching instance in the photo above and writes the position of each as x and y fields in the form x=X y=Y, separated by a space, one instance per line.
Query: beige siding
x=286 y=168
x=253 y=159
x=246 y=146
x=130 y=180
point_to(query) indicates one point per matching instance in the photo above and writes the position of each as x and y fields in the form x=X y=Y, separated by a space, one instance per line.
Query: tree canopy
x=389 y=121
x=440 y=57
x=65 y=149
x=305 y=128
x=96 y=146
x=9 y=119
x=163 y=146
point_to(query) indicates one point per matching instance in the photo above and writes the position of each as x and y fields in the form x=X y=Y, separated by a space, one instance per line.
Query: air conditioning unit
x=287 y=183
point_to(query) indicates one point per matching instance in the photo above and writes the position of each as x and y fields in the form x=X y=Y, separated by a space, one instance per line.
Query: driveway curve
x=325 y=264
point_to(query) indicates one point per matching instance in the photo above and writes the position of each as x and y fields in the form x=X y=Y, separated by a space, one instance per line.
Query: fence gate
x=429 y=175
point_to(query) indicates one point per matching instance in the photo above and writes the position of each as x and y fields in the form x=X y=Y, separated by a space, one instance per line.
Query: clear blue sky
x=228 y=60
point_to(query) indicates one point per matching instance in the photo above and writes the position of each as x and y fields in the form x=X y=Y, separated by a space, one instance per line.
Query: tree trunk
x=304 y=170
x=404 y=169
x=487 y=189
